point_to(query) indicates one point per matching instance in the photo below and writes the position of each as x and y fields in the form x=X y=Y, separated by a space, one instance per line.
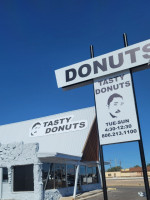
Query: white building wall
x=70 y=143
x=14 y=152
x=1 y=182
x=20 y=154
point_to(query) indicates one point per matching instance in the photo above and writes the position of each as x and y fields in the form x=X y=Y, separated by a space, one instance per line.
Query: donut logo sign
x=122 y=59
x=56 y=126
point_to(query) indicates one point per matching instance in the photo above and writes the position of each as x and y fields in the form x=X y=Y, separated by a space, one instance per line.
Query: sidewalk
x=86 y=195
x=89 y=194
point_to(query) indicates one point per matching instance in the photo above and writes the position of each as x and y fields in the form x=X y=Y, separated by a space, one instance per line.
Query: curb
x=110 y=189
x=86 y=195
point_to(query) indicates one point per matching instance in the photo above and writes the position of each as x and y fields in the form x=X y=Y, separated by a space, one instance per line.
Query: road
x=121 y=193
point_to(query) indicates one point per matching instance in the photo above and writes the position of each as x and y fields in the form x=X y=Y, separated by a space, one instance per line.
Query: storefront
x=50 y=157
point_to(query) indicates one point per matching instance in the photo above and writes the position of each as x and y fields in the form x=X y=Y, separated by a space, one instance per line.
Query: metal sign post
x=117 y=120
x=100 y=147
x=140 y=141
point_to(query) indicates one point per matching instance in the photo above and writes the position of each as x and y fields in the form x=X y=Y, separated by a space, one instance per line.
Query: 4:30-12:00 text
x=118 y=127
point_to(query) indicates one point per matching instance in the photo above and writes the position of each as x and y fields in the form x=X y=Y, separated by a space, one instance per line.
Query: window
x=23 y=178
x=48 y=176
x=70 y=175
x=5 y=174
x=92 y=175
x=95 y=175
x=83 y=176
x=60 y=175
x=55 y=175
x=89 y=175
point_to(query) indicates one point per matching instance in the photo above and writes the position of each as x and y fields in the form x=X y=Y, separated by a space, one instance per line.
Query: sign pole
x=100 y=147
x=118 y=78
x=140 y=141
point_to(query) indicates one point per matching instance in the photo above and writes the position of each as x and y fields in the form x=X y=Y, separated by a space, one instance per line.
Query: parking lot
x=121 y=193
x=118 y=189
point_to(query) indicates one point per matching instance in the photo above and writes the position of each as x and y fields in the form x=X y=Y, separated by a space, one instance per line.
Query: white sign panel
x=116 y=113
x=56 y=126
x=125 y=58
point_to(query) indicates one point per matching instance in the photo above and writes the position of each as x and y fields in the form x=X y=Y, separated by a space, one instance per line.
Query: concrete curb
x=66 y=198
x=110 y=189
x=86 y=195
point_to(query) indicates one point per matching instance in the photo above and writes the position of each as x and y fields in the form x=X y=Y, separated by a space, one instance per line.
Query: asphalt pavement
x=119 y=193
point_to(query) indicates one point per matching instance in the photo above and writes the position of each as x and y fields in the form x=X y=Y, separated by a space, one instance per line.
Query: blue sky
x=37 y=37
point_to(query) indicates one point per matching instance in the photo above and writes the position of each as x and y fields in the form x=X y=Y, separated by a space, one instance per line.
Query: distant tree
x=114 y=169
x=148 y=164
x=136 y=166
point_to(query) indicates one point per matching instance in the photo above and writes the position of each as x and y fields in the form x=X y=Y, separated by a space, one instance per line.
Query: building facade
x=50 y=157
